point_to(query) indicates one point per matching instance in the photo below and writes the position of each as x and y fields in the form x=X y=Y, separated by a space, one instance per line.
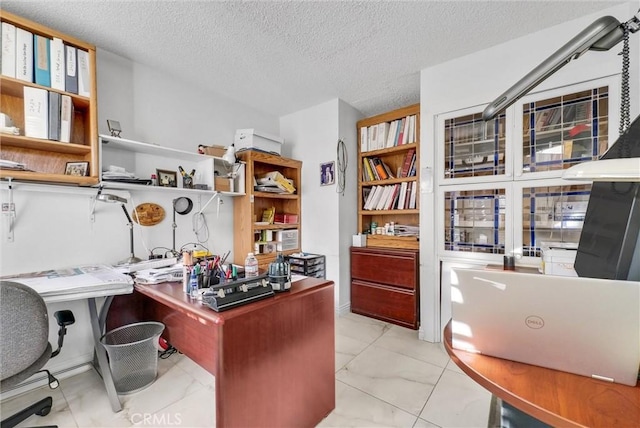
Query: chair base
x=41 y=408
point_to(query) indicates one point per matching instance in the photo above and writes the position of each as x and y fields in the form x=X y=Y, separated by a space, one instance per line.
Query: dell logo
x=534 y=322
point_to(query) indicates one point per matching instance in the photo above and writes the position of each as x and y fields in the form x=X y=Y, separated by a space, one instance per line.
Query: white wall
x=478 y=79
x=53 y=227
x=311 y=135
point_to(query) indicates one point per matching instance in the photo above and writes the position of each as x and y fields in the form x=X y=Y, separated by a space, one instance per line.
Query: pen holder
x=206 y=281
x=187 y=182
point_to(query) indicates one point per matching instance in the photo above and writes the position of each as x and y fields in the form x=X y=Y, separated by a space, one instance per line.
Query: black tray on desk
x=228 y=295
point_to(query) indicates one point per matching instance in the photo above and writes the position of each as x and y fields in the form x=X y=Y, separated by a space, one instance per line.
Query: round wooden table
x=557 y=398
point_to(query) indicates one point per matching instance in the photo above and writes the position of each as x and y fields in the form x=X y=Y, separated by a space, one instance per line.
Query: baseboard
x=343 y=310
x=70 y=368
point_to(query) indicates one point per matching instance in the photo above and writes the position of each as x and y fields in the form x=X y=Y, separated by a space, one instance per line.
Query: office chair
x=24 y=344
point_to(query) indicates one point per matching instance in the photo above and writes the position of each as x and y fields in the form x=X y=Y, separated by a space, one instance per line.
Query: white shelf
x=144 y=159
x=115 y=143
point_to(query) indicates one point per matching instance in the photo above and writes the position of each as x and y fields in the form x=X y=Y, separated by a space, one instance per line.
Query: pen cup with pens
x=205 y=273
x=187 y=179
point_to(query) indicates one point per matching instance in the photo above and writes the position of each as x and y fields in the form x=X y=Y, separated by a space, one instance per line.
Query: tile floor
x=385 y=377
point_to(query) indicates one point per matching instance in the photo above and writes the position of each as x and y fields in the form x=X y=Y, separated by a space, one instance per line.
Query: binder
x=84 y=81
x=57 y=65
x=66 y=118
x=24 y=55
x=41 y=60
x=54 y=115
x=8 y=49
x=36 y=112
x=71 y=69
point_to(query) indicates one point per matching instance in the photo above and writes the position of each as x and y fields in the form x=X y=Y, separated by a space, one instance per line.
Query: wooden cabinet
x=385 y=285
x=262 y=238
x=388 y=178
x=46 y=160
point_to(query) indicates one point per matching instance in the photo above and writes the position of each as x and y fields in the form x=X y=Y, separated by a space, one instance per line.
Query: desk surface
x=554 y=397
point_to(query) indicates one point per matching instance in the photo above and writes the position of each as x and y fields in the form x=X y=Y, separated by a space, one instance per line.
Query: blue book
x=41 y=61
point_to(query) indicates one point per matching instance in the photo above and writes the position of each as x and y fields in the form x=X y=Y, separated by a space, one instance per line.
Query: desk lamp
x=182 y=206
x=106 y=197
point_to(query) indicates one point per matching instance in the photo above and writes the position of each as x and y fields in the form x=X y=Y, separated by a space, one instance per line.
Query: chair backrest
x=24 y=328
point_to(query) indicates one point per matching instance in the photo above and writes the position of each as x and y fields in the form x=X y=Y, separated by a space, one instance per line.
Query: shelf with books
x=388 y=175
x=47 y=124
x=563 y=130
x=257 y=227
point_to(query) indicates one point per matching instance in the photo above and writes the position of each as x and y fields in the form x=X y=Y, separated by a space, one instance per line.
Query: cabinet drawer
x=393 y=268
x=390 y=304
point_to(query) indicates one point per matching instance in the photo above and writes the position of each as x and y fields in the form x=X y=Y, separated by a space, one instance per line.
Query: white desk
x=87 y=283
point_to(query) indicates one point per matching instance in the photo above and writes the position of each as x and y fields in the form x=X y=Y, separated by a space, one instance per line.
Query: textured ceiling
x=281 y=57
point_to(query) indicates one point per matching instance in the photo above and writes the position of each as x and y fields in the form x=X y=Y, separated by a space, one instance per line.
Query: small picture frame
x=167 y=178
x=327 y=173
x=79 y=169
x=114 y=127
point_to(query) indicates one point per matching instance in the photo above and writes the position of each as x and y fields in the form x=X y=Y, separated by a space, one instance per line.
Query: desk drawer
x=397 y=268
x=391 y=304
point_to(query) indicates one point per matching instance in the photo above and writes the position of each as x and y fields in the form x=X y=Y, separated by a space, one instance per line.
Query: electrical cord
x=200 y=227
x=342 y=162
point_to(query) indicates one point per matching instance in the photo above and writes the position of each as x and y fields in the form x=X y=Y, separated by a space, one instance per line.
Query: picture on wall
x=327 y=173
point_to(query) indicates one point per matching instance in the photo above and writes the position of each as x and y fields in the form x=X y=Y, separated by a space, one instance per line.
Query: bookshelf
x=252 y=233
x=388 y=177
x=46 y=159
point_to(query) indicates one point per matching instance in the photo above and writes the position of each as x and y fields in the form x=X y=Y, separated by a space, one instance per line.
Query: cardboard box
x=223 y=184
x=251 y=139
x=217 y=151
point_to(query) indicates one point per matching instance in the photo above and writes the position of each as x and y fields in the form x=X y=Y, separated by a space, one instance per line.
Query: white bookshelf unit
x=143 y=159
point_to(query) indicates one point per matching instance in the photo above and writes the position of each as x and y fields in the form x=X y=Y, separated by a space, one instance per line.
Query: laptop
x=585 y=326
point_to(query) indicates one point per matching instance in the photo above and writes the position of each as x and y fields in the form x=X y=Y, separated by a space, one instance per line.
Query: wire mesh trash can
x=133 y=355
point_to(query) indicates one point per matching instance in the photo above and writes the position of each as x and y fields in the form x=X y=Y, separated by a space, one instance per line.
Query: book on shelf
x=412 y=167
x=57 y=64
x=66 y=118
x=55 y=100
x=36 y=112
x=41 y=60
x=393 y=132
x=406 y=165
x=383 y=132
x=364 y=139
x=405 y=131
x=374 y=197
x=412 y=200
x=400 y=132
x=71 y=69
x=84 y=81
x=24 y=55
x=402 y=194
x=381 y=172
x=368 y=172
x=407 y=196
x=8 y=49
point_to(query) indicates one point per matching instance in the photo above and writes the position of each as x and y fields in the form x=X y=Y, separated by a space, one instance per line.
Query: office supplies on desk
x=584 y=326
x=146 y=264
x=230 y=294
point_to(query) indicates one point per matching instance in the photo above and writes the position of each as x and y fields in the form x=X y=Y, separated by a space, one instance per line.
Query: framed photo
x=80 y=169
x=114 y=127
x=327 y=173
x=167 y=178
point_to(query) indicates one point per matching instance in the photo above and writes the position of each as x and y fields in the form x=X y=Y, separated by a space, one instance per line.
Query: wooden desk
x=273 y=360
x=557 y=398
